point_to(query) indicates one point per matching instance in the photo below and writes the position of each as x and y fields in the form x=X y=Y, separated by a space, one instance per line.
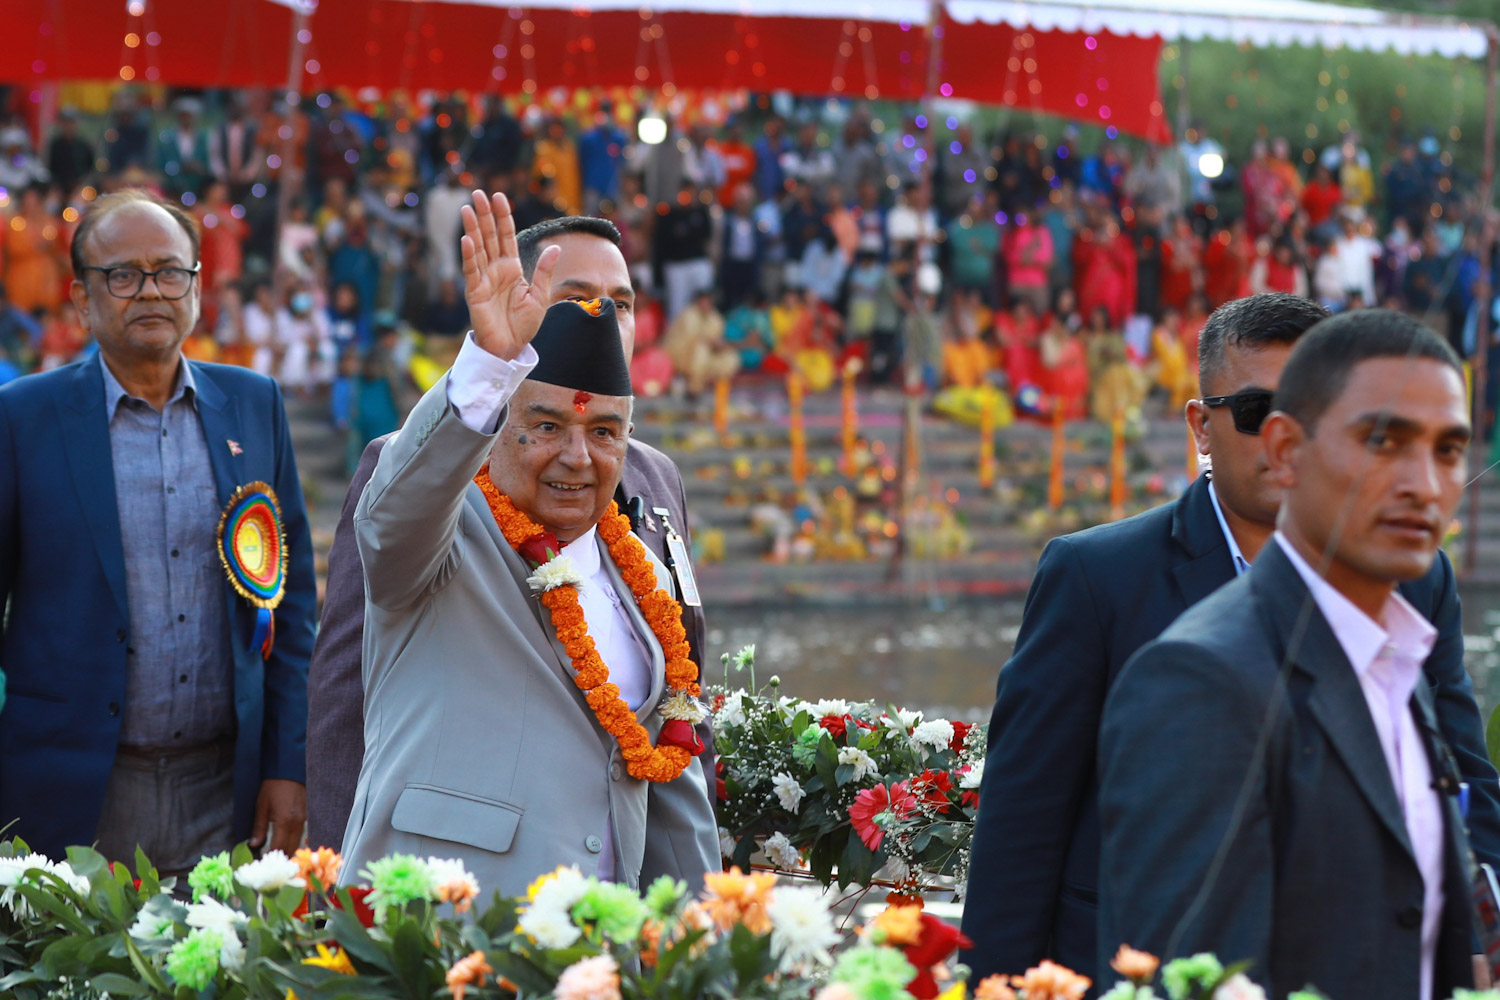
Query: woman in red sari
x=1226 y=264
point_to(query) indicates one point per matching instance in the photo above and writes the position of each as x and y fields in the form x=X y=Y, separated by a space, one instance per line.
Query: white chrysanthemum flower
x=1239 y=987
x=973 y=776
x=451 y=881
x=559 y=571
x=936 y=733
x=681 y=705
x=727 y=844
x=828 y=706
x=272 y=871
x=13 y=873
x=788 y=791
x=549 y=928
x=781 y=853
x=802 y=931
x=903 y=720
x=856 y=758
x=232 y=952
x=560 y=892
x=213 y=915
x=152 y=926
x=732 y=713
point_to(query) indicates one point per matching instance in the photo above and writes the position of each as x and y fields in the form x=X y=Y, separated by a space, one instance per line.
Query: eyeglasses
x=127 y=282
x=1249 y=409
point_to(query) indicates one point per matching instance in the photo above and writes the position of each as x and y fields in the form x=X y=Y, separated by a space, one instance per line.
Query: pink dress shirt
x=1387 y=657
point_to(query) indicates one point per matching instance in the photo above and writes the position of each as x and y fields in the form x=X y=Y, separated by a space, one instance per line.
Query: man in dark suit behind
x=590 y=266
x=1101 y=594
x=1273 y=784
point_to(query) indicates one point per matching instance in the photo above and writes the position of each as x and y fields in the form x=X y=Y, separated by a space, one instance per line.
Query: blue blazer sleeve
x=1458 y=715
x=1037 y=773
x=284 y=726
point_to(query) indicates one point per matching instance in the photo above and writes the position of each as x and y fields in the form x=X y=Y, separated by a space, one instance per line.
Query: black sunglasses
x=1249 y=408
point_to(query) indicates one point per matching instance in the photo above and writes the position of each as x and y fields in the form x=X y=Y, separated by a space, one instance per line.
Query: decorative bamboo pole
x=796 y=433
x=1117 y=468
x=987 y=442
x=851 y=419
x=721 y=408
x=1059 y=446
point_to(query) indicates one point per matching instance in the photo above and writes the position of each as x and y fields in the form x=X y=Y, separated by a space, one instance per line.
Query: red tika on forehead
x=581 y=401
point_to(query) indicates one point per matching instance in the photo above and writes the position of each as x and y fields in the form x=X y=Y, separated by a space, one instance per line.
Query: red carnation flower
x=939 y=940
x=722 y=791
x=680 y=733
x=539 y=549
x=932 y=788
x=363 y=913
x=970 y=799
x=835 y=725
x=960 y=733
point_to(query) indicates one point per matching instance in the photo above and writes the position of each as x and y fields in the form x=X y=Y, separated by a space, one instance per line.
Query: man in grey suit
x=590 y=265
x=1274 y=786
x=482 y=735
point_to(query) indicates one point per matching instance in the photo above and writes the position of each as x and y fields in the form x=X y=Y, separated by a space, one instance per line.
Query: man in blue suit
x=1100 y=595
x=137 y=711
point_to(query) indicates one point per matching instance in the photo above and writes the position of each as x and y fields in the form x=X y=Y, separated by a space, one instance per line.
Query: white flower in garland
x=974 y=776
x=681 y=705
x=151 y=926
x=1239 y=987
x=213 y=915
x=894 y=870
x=937 y=734
x=559 y=571
x=272 y=871
x=903 y=720
x=13 y=872
x=802 y=930
x=788 y=791
x=828 y=706
x=856 y=758
x=732 y=713
x=727 y=844
x=781 y=853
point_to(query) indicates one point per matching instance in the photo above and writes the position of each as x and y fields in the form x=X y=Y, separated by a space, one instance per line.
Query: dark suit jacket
x=335 y=689
x=62 y=567
x=1097 y=597
x=1319 y=884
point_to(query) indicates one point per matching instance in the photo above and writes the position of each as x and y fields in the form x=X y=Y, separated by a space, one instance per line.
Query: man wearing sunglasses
x=138 y=712
x=1101 y=594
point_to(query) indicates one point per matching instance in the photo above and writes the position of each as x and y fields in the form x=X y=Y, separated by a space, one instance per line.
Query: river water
x=944 y=660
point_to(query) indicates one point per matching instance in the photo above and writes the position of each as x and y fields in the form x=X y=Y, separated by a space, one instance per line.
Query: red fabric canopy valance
x=389 y=44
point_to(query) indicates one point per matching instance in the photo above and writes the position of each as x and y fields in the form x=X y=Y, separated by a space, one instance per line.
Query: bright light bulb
x=652 y=130
x=1210 y=165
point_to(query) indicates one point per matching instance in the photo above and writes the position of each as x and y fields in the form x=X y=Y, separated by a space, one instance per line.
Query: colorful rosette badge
x=252 y=547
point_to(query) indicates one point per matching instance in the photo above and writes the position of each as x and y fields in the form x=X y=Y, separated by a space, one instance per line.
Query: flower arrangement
x=847 y=791
x=275 y=929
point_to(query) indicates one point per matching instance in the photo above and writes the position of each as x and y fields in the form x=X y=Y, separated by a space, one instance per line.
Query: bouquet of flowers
x=848 y=791
x=275 y=929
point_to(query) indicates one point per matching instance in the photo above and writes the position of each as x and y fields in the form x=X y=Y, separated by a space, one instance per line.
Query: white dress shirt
x=1387 y=657
x=479 y=386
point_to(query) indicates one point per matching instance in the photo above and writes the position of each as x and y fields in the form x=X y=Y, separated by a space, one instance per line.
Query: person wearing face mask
x=1097 y=597
x=307 y=350
x=590 y=265
x=155 y=698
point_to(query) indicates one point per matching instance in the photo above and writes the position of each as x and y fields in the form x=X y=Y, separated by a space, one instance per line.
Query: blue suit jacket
x=1097 y=597
x=62 y=568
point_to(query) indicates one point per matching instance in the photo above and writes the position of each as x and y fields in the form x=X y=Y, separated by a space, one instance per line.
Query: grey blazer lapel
x=642 y=629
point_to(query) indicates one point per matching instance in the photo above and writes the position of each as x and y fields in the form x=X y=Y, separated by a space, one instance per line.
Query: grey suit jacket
x=335 y=684
x=477 y=742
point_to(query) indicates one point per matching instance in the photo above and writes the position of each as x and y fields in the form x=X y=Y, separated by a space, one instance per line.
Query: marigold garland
x=662 y=613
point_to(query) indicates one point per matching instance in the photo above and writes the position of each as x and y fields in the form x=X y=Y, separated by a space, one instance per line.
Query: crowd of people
x=1069 y=278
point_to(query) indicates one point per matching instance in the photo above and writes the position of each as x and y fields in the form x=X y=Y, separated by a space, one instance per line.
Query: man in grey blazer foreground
x=590 y=265
x=478 y=742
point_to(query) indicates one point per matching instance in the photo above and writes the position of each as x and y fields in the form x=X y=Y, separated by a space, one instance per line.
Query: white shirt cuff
x=480 y=384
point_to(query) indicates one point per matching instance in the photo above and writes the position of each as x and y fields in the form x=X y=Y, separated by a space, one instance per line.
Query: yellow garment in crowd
x=1173 y=373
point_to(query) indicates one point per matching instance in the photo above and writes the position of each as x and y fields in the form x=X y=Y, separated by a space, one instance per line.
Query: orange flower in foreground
x=323 y=864
x=1137 y=966
x=994 y=988
x=1050 y=981
x=468 y=972
x=733 y=897
x=899 y=924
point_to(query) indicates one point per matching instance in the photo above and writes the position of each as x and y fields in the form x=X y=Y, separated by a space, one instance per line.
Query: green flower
x=396 y=881
x=874 y=973
x=1181 y=975
x=745 y=657
x=663 y=895
x=805 y=750
x=1457 y=995
x=194 y=960
x=615 y=908
x=212 y=876
x=1126 y=990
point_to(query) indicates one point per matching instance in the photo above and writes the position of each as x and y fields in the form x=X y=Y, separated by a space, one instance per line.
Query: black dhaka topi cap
x=579 y=347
